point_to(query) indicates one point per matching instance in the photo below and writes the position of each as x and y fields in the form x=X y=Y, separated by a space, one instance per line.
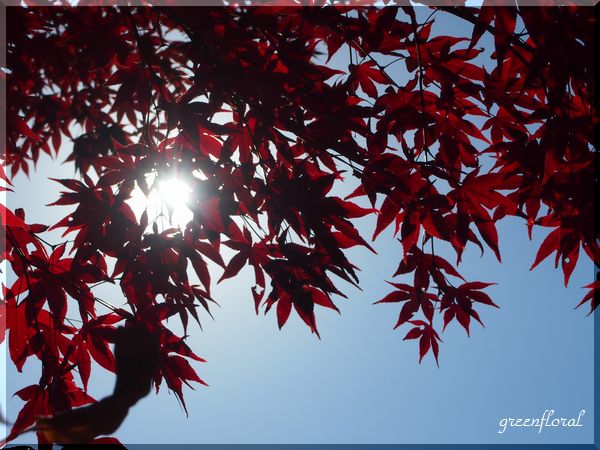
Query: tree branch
x=463 y=13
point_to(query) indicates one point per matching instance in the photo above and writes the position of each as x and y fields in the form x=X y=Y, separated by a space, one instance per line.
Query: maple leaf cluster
x=245 y=106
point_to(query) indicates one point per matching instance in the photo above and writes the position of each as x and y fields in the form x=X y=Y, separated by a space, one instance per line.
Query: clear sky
x=361 y=383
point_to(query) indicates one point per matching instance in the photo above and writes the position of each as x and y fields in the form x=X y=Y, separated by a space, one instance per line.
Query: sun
x=166 y=203
x=174 y=192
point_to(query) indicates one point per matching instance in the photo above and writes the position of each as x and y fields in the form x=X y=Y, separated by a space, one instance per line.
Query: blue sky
x=361 y=383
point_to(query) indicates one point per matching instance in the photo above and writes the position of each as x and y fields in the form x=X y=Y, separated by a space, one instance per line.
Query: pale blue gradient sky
x=361 y=383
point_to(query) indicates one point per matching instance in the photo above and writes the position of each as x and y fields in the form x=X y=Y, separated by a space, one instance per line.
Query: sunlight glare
x=174 y=192
x=166 y=202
